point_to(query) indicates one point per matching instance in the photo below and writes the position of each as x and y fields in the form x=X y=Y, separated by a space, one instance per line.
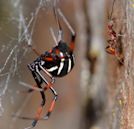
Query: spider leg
x=38 y=80
x=53 y=35
x=49 y=86
x=49 y=110
x=52 y=103
x=34 y=50
x=35 y=87
x=60 y=32
x=73 y=34
x=31 y=87
x=66 y=21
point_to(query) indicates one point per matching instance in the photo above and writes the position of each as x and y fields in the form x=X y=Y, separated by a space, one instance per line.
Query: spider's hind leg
x=39 y=81
x=52 y=103
x=49 y=86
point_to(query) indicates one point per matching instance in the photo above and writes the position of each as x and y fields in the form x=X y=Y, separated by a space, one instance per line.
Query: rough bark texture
x=127 y=83
x=109 y=91
x=120 y=78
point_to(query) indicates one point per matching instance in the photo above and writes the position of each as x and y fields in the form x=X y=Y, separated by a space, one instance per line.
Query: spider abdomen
x=61 y=67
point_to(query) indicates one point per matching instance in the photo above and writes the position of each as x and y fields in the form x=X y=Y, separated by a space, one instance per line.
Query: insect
x=113 y=45
x=56 y=62
x=112 y=42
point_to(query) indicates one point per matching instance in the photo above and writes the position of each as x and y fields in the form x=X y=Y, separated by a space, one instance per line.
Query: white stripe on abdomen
x=52 y=69
x=61 y=67
x=69 y=65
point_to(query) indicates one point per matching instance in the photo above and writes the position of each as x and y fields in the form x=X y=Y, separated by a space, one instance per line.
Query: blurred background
x=94 y=94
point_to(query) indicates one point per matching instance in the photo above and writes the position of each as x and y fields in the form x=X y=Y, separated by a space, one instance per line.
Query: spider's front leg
x=73 y=34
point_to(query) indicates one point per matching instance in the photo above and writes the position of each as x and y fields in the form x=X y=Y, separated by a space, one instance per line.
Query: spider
x=56 y=62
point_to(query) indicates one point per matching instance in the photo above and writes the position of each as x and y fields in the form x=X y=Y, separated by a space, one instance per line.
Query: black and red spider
x=56 y=62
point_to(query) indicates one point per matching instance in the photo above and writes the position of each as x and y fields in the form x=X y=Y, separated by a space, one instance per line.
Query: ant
x=111 y=48
x=113 y=45
x=56 y=62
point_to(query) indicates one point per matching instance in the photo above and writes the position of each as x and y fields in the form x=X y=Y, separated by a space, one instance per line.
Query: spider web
x=17 y=24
